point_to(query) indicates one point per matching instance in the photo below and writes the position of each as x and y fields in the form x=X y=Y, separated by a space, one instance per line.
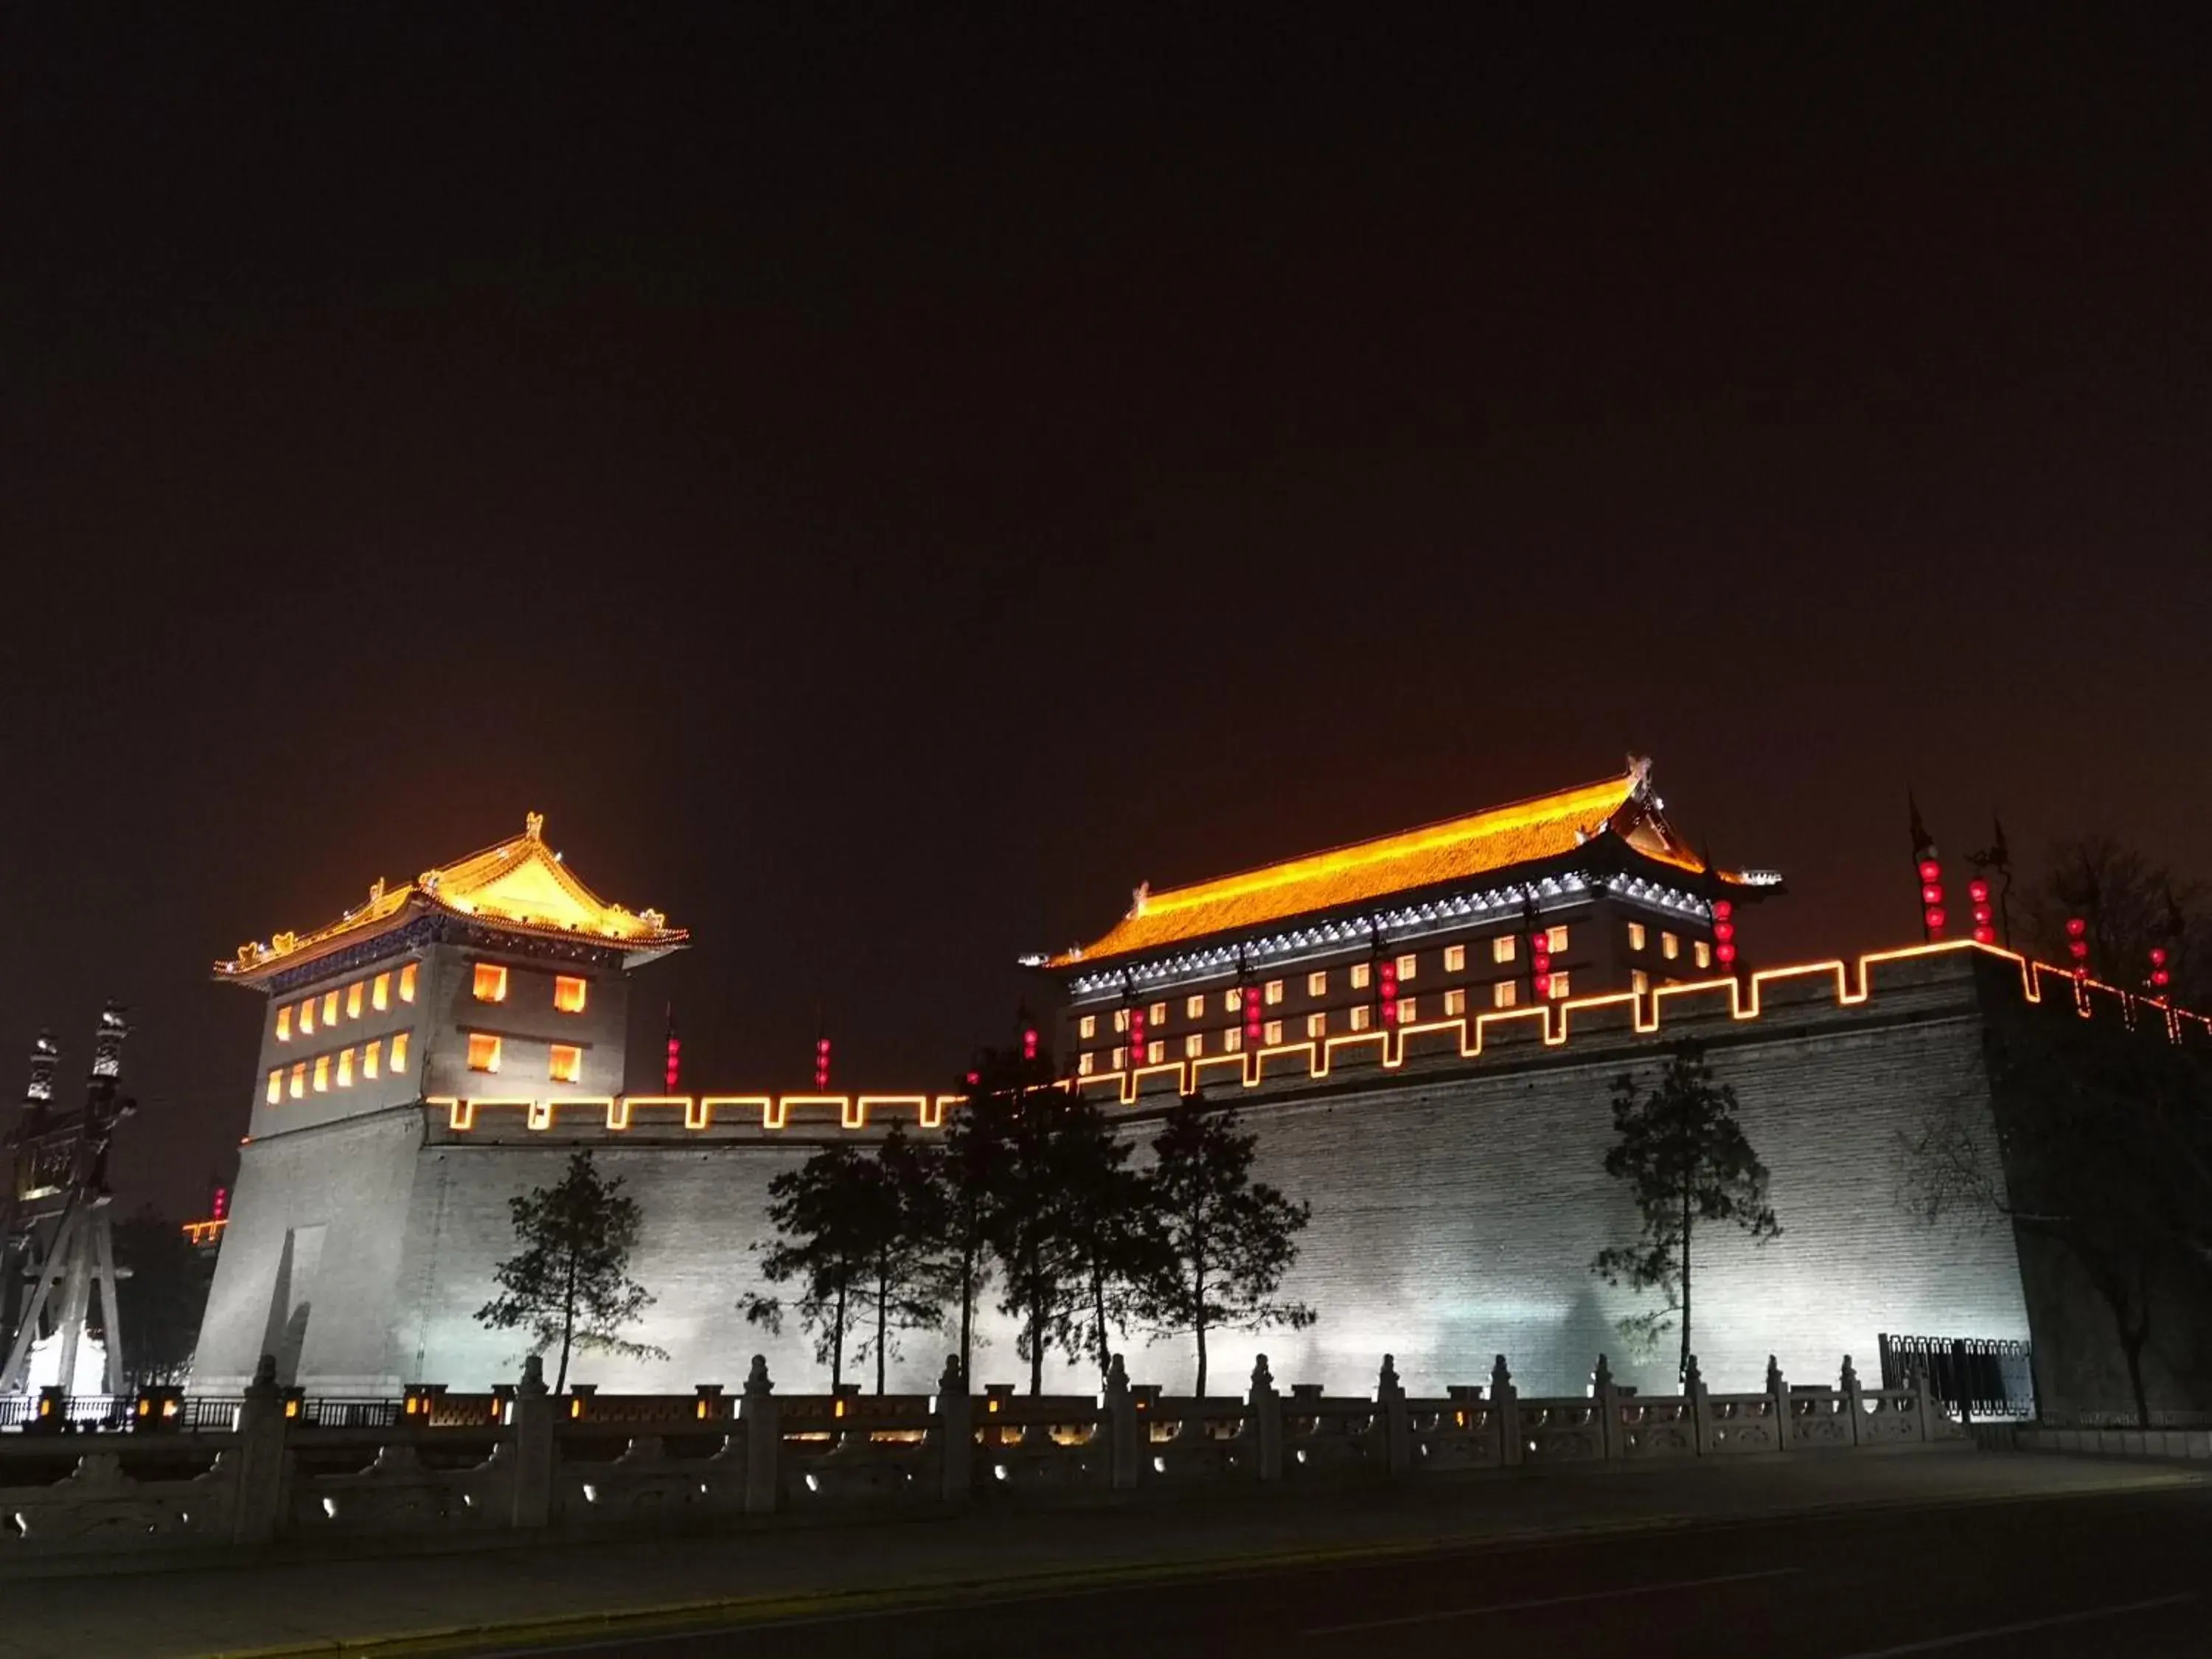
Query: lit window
x=345 y=1068
x=284 y=1023
x=330 y=1007
x=1121 y=1058
x=1639 y=981
x=565 y=1063
x=1669 y=946
x=399 y=1051
x=1360 y=1017
x=1194 y=1006
x=372 y=1056
x=1407 y=966
x=353 y=1000
x=1455 y=958
x=1703 y=952
x=1316 y=1025
x=1232 y=1001
x=1273 y=1036
x=407 y=982
x=490 y=982
x=1087 y=1027
x=1274 y=992
x=1361 y=975
x=1194 y=1045
x=1085 y=1064
x=1317 y=984
x=1455 y=1004
x=1636 y=936
x=1155 y=1053
x=322 y=1073
x=1505 y=993
x=380 y=993
x=299 y=1079
x=308 y=1017
x=276 y=1086
x=1504 y=948
x=1232 y=1040
x=1405 y=1010
x=1157 y=1014
x=1121 y=1020
x=1556 y=940
x=568 y=993
x=483 y=1052
x=1558 y=990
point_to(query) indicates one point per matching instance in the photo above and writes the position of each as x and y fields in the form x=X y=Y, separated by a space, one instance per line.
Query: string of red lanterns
x=2077 y=946
x=1978 y=895
x=1932 y=915
x=1724 y=933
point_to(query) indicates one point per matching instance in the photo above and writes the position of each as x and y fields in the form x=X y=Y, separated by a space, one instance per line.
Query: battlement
x=1909 y=981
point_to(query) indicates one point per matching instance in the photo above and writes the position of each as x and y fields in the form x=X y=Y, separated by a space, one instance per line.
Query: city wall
x=1456 y=1185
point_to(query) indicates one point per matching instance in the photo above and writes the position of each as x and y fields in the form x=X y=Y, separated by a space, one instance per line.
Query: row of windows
x=564 y=1062
x=344 y=1002
x=1359 y=975
x=336 y=1070
x=1506 y=993
x=1670 y=945
x=490 y=984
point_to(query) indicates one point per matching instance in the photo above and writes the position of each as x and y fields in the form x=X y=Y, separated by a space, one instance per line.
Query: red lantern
x=1136 y=1038
x=821 y=1064
x=2077 y=943
x=1936 y=918
x=1254 y=1027
x=1723 y=910
x=1724 y=952
x=2160 y=978
x=1978 y=892
x=1386 y=978
x=1930 y=870
x=1931 y=897
x=1030 y=1042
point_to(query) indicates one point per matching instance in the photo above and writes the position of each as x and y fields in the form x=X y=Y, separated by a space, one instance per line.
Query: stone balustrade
x=276 y=1466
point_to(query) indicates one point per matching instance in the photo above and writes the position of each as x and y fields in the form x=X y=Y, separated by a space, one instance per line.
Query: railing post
x=1778 y=1390
x=257 y=1493
x=1925 y=1397
x=955 y=1434
x=1609 y=1414
x=1847 y=1384
x=532 y=1418
x=1506 y=1402
x=1125 y=1452
x=1397 y=1426
x=757 y=1416
x=1266 y=1407
x=1701 y=1410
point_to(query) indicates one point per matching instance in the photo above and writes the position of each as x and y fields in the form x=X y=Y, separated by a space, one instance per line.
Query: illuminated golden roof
x=521 y=885
x=1524 y=832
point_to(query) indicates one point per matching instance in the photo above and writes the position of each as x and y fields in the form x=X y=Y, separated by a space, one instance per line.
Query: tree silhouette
x=1225 y=1241
x=569 y=1283
x=1686 y=1160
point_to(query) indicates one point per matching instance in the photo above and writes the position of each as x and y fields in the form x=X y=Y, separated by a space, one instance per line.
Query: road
x=2118 y=1575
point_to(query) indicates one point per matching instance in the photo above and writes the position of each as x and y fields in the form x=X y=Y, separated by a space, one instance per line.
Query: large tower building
x=500 y=974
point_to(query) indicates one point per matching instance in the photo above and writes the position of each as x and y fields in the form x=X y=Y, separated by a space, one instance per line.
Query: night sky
x=883 y=483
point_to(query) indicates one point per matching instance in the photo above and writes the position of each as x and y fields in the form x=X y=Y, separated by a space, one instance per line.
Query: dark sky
x=884 y=482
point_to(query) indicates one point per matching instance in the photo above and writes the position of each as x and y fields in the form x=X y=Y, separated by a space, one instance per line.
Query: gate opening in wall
x=1976 y=1375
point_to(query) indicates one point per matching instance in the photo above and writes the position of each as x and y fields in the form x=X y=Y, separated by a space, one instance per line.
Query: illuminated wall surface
x=1457 y=1200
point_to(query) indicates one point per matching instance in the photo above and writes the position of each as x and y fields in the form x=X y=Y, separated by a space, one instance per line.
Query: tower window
x=1194 y=1045
x=407 y=982
x=1504 y=948
x=1155 y=1053
x=490 y=982
x=284 y=1023
x=1194 y=1006
x=1455 y=1004
x=1408 y=965
x=399 y=1052
x=1559 y=989
x=1505 y=993
x=1703 y=952
x=276 y=1086
x=1639 y=981
x=1274 y=992
x=1232 y=1001
x=380 y=993
x=1455 y=958
x=1274 y=1035
x=483 y=1052
x=1405 y=1010
x=1362 y=973
x=299 y=1079
x=570 y=993
x=1121 y=1020
x=1317 y=984
x=1087 y=1027
x=1361 y=1016
x=371 y=1056
x=1232 y=1040
x=330 y=1007
x=345 y=1068
x=1157 y=1014
x=1316 y=1025
x=353 y=1000
x=1556 y=940
x=322 y=1082
x=565 y=1063
x=1669 y=946
x=1121 y=1058
x=308 y=1017
x=1636 y=936
x=1086 y=1063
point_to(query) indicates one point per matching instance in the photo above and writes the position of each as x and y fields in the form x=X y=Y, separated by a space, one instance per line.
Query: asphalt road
x=2125 y=1575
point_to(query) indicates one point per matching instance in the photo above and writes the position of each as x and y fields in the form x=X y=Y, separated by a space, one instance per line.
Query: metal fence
x=1977 y=1375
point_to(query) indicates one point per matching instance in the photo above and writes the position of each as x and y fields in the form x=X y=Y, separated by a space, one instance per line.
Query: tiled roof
x=520 y=885
x=1498 y=838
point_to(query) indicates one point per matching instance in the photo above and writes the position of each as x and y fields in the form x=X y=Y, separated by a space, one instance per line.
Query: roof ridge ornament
x=533 y=826
x=1139 y=896
x=1639 y=774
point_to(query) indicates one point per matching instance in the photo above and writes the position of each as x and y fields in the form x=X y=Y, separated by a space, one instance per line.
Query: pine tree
x=1686 y=1160
x=1225 y=1241
x=569 y=1283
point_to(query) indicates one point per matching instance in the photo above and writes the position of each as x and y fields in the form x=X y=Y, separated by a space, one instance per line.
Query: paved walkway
x=261 y=1605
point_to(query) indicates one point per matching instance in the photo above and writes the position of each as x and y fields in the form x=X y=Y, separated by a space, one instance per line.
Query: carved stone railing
x=284 y=1466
